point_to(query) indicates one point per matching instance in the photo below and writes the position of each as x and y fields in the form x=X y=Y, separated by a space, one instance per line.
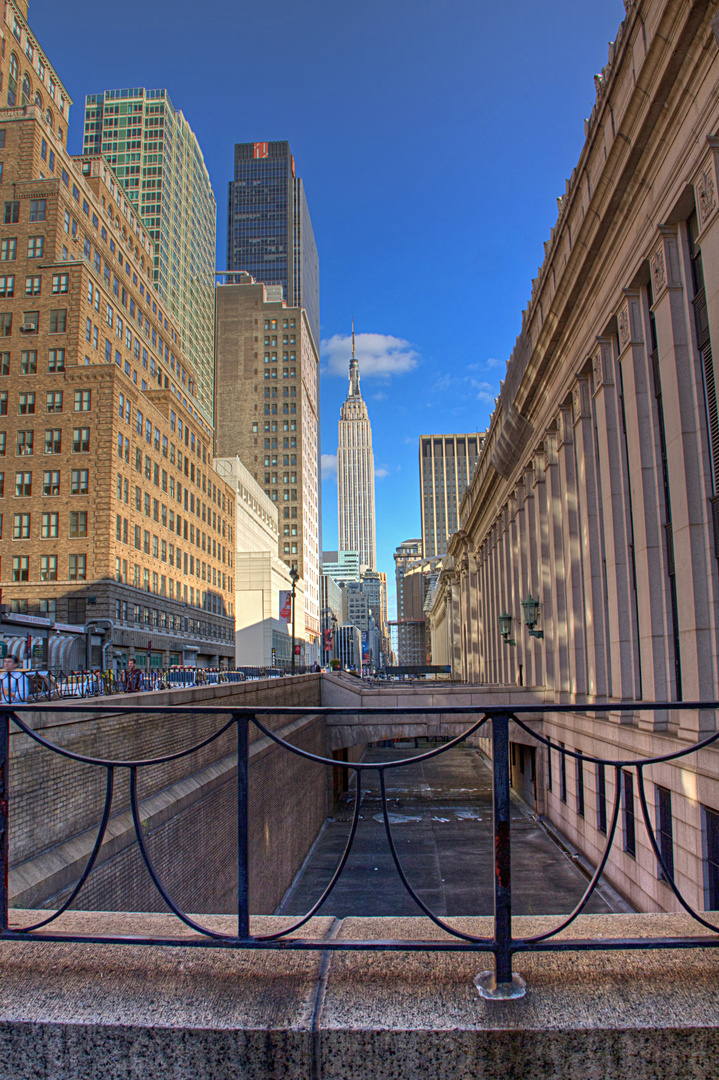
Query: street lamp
x=530 y=610
x=294 y=578
x=505 y=628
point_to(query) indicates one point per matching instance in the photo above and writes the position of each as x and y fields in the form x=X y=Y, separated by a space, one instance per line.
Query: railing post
x=501 y=983
x=243 y=881
x=4 y=818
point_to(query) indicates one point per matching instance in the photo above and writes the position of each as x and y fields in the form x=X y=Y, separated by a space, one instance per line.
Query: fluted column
x=689 y=475
x=621 y=609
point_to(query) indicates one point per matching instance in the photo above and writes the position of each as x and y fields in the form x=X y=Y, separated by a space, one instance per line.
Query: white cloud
x=379 y=355
x=329 y=466
x=381 y=473
x=379 y=397
x=485 y=392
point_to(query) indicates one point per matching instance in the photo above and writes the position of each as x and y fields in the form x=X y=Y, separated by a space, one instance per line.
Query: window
x=35 y=247
x=601 y=799
x=58 y=320
x=76 y=607
x=579 y=777
x=25 y=440
x=665 y=831
x=53 y=440
x=12 y=213
x=8 y=249
x=33 y=286
x=78 y=523
x=48 y=608
x=23 y=485
x=630 y=842
x=5 y=323
x=50 y=482
x=79 y=482
x=26 y=404
x=82 y=400
x=37 y=209
x=77 y=568
x=53 y=400
x=21 y=568
x=49 y=526
x=81 y=440
x=48 y=570
x=56 y=360
x=28 y=362
x=5 y=363
x=562 y=774
x=21 y=527
x=7 y=286
x=60 y=283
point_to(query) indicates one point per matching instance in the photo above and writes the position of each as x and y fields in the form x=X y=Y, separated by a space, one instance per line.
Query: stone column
x=574 y=592
x=536 y=645
x=544 y=578
x=591 y=538
x=624 y=666
x=558 y=572
x=654 y=615
x=522 y=575
x=689 y=476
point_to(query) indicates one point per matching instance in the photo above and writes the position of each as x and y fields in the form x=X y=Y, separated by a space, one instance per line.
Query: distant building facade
x=446 y=464
x=355 y=474
x=269 y=229
x=266 y=414
x=341 y=565
x=262 y=639
x=157 y=158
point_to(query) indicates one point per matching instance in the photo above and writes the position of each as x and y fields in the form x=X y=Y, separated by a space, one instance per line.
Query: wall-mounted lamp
x=530 y=610
x=505 y=628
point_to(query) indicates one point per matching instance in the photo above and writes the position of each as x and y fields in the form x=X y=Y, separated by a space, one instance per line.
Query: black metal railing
x=498 y=983
x=37 y=685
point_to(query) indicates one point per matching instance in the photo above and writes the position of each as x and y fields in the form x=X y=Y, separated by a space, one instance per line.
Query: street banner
x=286 y=605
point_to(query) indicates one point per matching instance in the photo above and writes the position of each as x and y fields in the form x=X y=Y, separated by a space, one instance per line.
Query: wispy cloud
x=379 y=397
x=329 y=466
x=379 y=355
x=485 y=392
x=467 y=386
x=381 y=472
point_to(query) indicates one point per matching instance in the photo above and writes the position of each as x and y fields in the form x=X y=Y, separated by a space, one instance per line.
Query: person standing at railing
x=15 y=685
x=133 y=678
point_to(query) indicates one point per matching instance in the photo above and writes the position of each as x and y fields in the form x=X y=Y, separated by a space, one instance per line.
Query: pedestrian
x=133 y=677
x=15 y=685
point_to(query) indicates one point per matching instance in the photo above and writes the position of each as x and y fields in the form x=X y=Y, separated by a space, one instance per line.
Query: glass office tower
x=269 y=230
x=158 y=160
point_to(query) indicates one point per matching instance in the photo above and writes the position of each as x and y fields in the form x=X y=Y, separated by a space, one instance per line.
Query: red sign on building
x=261 y=150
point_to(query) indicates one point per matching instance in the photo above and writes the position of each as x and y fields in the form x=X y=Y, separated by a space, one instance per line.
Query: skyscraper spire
x=354 y=369
x=355 y=473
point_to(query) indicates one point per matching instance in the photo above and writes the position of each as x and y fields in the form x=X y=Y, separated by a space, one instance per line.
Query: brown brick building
x=112 y=515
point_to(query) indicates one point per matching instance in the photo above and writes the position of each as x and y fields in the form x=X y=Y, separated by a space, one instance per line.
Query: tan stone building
x=597 y=487
x=266 y=413
x=113 y=517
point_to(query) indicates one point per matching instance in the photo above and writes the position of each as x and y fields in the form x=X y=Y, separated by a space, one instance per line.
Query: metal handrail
x=498 y=983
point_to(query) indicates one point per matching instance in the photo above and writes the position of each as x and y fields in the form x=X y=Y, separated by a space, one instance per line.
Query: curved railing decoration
x=499 y=983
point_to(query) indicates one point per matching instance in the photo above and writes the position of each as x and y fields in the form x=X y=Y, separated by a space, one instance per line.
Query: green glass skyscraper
x=155 y=154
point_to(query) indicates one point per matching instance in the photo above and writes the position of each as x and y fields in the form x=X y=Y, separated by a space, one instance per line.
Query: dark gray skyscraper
x=269 y=231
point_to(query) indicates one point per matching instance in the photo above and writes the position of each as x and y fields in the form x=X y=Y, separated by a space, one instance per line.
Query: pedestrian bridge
x=353 y=729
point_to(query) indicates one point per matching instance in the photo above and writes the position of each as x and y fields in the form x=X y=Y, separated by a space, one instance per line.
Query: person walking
x=133 y=678
x=15 y=685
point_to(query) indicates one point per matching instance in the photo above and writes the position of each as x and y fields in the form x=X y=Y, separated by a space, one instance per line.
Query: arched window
x=12 y=81
x=26 y=89
x=48 y=117
x=38 y=99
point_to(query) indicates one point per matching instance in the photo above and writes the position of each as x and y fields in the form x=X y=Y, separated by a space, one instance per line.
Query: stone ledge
x=130 y=1012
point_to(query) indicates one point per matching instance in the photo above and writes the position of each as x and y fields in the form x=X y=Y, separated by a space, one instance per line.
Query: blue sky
x=433 y=139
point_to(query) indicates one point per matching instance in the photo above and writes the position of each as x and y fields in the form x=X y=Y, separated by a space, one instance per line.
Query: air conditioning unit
x=28 y=328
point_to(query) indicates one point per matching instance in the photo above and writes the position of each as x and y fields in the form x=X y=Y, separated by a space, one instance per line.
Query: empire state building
x=355 y=473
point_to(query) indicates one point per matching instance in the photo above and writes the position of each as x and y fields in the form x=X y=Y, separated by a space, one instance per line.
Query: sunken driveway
x=441 y=813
